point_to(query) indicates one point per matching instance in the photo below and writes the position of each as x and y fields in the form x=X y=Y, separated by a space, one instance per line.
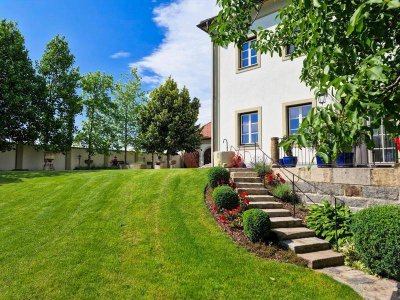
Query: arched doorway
x=207 y=156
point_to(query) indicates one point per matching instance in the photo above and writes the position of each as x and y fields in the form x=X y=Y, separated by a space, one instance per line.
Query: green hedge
x=377 y=239
x=225 y=197
x=218 y=175
x=256 y=225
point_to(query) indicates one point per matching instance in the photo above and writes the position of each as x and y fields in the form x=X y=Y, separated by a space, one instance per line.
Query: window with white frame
x=296 y=115
x=385 y=149
x=248 y=55
x=249 y=128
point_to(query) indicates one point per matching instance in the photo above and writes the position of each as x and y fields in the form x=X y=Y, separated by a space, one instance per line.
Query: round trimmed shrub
x=225 y=197
x=216 y=175
x=377 y=239
x=256 y=225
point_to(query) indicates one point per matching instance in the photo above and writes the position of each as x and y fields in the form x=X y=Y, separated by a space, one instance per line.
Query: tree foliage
x=63 y=103
x=21 y=91
x=128 y=98
x=350 y=50
x=168 y=121
x=98 y=134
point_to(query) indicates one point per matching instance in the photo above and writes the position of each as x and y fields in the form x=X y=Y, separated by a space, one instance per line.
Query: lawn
x=129 y=235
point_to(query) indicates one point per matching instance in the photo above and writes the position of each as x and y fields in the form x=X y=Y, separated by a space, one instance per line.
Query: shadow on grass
x=18 y=176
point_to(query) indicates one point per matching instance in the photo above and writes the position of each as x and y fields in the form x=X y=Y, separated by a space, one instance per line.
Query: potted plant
x=288 y=160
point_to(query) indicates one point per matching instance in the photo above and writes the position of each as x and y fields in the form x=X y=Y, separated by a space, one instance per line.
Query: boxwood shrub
x=217 y=175
x=225 y=197
x=256 y=225
x=377 y=239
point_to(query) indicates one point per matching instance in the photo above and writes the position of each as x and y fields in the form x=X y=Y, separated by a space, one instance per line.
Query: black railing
x=295 y=188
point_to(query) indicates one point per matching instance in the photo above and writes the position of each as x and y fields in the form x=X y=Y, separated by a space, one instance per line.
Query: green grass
x=130 y=235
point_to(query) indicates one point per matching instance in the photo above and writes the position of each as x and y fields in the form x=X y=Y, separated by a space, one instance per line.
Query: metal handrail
x=277 y=164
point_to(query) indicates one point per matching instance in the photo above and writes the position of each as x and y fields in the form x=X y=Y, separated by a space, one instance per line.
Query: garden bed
x=268 y=250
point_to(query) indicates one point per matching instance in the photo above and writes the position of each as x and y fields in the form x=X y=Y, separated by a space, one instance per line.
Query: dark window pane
x=254 y=127
x=294 y=124
x=253 y=52
x=245 y=128
x=254 y=60
x=389 y=155
x=245 y=54
x=254 y=138
x=245 y=139
x=245 y=63
x=245 y=118
x=254 y=118
x=293 y=112
x=245 y=46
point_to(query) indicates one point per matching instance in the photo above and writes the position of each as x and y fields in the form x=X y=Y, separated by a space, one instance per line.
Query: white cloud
x=120 y=54
x=185 y=52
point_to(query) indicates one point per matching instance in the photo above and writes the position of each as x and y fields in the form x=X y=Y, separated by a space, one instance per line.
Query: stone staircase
x=289 y=231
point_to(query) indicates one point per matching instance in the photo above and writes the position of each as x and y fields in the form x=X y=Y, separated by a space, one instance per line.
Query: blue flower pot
x=322 y=164
x=345 y=160
x=280 y=162
x=290 y=161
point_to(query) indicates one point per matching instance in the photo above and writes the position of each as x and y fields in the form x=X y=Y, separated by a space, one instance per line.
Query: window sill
x=242 y=70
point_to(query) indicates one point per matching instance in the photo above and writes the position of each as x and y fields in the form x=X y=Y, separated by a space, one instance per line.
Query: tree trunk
x=126 y=154
x=152 y=160
x=168 y=160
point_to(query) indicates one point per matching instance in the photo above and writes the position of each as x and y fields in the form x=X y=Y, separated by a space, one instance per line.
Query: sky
x=159 y=37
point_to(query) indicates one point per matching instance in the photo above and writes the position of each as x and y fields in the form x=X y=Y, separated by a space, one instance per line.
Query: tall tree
x=62 y=82
x=128 y=95
x=97 y=134
x=350 y=48
x=172 y=118
x=21 y=91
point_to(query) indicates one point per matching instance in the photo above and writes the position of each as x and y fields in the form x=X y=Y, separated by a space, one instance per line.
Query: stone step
x=293 y=233
x=305 y=245
x=261 y=198
x=277 y=212
x=246 y=185
x=253 y=191
x=323 y=259
x=247 y=179
x=265 y=204
x=285 y=222
x=242 y=170
x=243 y=174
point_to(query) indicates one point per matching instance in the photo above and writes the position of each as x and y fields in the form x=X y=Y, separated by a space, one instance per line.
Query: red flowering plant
x=274 y=179
x=233 y=217
x=238 y=161
x=397 y=142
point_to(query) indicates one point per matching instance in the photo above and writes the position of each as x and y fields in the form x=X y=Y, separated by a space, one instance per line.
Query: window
x=384 y=150
x=289 y=49
x=296 y=115
x=248 y=55
x=249 y=128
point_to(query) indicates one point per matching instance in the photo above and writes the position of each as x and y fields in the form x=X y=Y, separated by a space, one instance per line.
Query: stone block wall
x=357 y=187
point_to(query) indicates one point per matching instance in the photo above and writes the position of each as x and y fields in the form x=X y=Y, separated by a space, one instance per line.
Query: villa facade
x=257 y=97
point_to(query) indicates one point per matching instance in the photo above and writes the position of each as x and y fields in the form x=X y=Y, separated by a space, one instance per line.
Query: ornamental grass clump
x=226 y=198
x=256 y=225
x=377 y=239
x=218 y=176
x=285 y=192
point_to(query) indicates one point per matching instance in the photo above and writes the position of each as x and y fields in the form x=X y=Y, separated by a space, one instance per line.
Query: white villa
x=257 y=97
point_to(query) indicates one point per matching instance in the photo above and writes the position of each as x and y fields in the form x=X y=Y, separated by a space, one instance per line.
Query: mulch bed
x=268 y=250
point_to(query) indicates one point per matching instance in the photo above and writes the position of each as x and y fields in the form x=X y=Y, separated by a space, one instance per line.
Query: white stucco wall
x=274 y=83
x=7 y=160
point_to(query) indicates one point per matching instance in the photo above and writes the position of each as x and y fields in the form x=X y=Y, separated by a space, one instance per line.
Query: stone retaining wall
x=357 y=187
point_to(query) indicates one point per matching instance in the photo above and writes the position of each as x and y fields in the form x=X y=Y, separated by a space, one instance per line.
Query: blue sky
x=159 y=37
